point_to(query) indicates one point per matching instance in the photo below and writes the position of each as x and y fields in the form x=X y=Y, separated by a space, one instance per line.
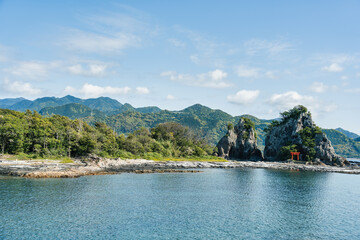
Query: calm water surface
x=214 y=204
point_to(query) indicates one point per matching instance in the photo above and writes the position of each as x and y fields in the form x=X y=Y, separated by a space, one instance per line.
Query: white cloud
x=258 y=46
x=176 y=42
x=247 y=72
x=195 y=59
x=244 y=97
x=142 y=90
x=100 y=43
x=217 y=75
x=290 y=99
x=93 y=70
x=20 y=88
x=90 y=90
x=335 y=58
x=211 y=79
x=344 y=77
x=334 y=67
x=287 y=100
x=112 y=32
x=170 y=97
x=318 y=87
x=31 y=69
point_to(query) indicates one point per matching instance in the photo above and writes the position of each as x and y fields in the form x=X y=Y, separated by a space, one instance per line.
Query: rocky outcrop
x=240 y=142
x=51 y=169
x=297 y=132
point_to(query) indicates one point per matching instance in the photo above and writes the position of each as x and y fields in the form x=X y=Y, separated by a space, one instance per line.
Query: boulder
x=240 y=142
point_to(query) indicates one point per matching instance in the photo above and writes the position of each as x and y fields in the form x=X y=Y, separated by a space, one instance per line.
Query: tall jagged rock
x=297 y=132
x=240 y=142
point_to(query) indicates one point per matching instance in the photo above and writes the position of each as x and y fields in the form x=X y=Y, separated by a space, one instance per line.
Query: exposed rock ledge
x=54 y=169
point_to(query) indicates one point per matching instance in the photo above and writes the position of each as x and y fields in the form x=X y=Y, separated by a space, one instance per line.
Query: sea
x=212 y=204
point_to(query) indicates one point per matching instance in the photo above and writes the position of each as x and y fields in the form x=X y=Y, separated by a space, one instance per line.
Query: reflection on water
x=215 y=204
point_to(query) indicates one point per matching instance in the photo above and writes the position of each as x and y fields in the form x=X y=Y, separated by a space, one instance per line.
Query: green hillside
x=104 y=104
x=7 y=102
x=208 y=123
x=72 y=111
x=348 y=133
x=123 y=118
x=342 y=144
x=41 y=103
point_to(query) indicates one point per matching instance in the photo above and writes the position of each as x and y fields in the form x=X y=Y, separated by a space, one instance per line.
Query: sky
x=254 y=57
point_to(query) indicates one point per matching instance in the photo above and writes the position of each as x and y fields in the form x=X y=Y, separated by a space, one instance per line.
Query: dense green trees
x=32 y=134
x=308 y=139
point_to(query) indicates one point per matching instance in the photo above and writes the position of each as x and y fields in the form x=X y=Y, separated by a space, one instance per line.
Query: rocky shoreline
x=101 y=166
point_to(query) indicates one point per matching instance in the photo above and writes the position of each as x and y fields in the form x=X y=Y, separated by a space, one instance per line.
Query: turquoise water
x=214 y=204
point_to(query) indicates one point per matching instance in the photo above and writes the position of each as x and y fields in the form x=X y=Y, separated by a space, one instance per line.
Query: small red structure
x=295 y=154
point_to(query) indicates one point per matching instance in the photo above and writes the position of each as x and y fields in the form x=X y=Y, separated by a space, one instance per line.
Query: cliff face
x=297 y=132
x=240 y=143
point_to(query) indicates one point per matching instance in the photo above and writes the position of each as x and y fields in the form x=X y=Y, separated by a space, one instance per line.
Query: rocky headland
x=296 y=132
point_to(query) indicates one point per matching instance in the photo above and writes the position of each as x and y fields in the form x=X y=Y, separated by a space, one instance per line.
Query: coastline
x=102 y=166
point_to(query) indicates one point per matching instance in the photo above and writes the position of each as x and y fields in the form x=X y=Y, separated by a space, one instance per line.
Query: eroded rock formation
x=240 y=142
x=296 y=131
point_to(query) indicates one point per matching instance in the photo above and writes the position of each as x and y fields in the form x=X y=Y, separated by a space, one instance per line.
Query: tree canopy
x=30 y=133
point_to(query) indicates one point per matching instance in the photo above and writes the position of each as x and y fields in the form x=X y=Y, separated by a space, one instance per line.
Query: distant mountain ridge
x=124 y=118
x=72 y=110
x=7 y=102
x=77 y=110
x=348 y=133
x=101 y=103
x=51 y=105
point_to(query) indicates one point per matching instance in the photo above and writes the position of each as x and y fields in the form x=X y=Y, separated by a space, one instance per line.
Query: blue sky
x=255 y=57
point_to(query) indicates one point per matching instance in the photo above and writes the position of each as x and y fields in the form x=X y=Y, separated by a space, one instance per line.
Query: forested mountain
x=7 y=102
x=72 y=111
x=348 y=133
x=41 y=103
x=342 y=144
x=102 y=103
x=123 y=118
x=150 y=109
x=54 y=105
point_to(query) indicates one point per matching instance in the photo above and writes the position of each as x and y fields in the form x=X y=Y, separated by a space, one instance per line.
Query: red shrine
x=295 y=154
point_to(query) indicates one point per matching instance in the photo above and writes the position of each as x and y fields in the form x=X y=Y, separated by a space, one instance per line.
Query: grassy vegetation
x=23 y=156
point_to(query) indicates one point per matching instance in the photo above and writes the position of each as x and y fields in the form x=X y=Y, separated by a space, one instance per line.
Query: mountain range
x=124 y=118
